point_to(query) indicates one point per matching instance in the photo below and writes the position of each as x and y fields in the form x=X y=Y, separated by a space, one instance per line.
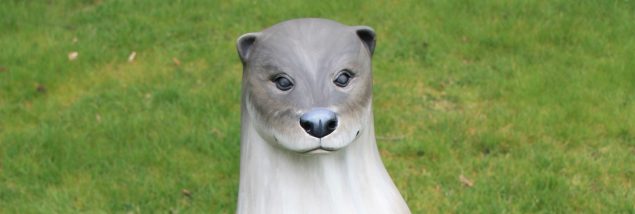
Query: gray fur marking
x=276 y=175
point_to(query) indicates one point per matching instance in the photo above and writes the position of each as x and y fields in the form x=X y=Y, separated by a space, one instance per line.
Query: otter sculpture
x=307 y=137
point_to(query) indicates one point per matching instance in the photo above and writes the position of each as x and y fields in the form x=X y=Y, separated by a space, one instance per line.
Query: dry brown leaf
x=40 y=88
x=176 y=61
x=132 y=56
x=186 y=193
x=466 y=181
x=73 y=55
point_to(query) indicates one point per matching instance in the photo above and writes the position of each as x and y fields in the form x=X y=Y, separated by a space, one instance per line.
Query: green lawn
x=490 y=106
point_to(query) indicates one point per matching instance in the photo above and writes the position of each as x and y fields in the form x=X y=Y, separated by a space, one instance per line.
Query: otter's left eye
x=343 y=78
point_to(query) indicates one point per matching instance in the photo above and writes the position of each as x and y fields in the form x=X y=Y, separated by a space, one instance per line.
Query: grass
x=532 y=102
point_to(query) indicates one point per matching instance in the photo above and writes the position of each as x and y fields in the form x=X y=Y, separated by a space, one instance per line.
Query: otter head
x=307 y=83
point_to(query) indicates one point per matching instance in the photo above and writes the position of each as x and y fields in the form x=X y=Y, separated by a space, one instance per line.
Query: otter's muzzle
x=319 y=122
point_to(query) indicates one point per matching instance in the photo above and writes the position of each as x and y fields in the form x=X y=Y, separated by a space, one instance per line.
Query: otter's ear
x=244 y=44
x=367 y=35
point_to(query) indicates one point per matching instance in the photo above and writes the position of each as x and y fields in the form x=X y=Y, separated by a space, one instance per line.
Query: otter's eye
x=343 y=78
x=283 y=83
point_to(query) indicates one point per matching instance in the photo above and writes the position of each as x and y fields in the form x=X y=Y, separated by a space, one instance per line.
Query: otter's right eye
x=283 y=83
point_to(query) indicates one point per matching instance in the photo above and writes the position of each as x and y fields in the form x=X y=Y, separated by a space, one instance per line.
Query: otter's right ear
x=244 y=44
x=367 y=35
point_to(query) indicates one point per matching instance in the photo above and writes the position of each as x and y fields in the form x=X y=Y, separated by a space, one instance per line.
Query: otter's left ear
x=367 y=35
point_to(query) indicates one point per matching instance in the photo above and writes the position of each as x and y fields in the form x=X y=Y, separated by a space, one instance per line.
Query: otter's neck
x=352 y=180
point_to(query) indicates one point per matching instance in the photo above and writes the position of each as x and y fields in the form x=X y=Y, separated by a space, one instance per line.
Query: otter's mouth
x=324 y=150
x=319 y=147
x=319 y=150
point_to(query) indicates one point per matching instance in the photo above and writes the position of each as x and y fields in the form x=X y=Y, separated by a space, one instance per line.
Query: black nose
x=319 y=122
